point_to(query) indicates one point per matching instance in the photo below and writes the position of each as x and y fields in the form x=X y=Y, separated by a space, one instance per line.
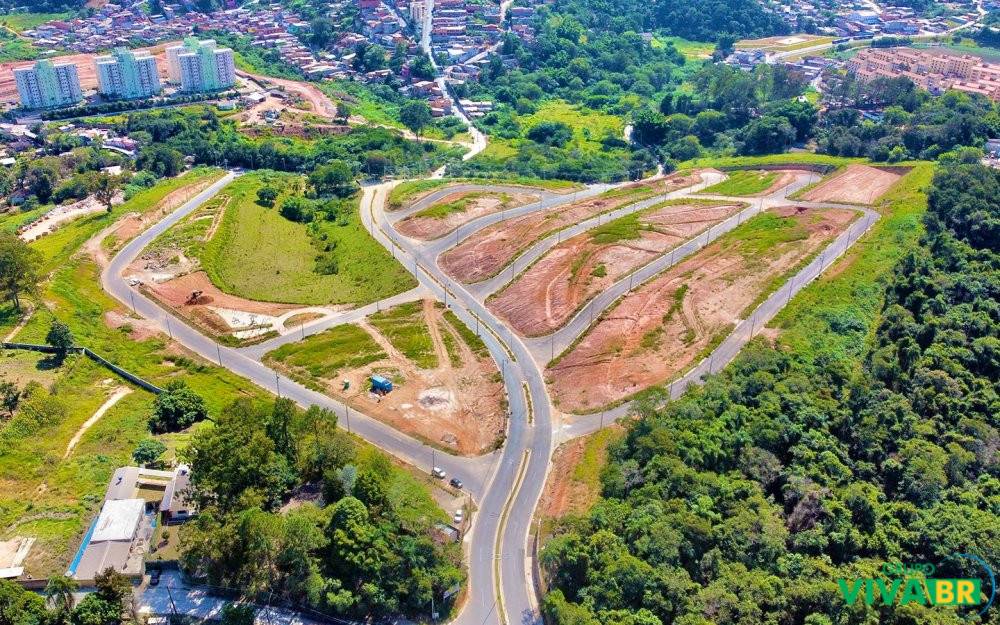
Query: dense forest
x=701 y=20
x=368 y=548
x=745 y=500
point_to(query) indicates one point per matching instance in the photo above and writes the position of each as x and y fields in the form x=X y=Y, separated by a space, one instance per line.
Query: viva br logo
x=914 y=583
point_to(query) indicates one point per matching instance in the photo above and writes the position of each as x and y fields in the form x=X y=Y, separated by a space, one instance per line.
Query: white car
x=458 y=516
x=438 y=472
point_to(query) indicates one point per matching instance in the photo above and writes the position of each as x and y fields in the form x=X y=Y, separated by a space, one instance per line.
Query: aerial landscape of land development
x=487 y=312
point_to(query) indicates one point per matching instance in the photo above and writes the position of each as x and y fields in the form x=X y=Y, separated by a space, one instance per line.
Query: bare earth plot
x=457 y=209
x=485 y=253
x=858 y=184
x=543 y=298
x=666 y=325
x=446 y=388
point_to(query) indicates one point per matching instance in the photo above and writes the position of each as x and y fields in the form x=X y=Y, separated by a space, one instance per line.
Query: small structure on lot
x=381 y=385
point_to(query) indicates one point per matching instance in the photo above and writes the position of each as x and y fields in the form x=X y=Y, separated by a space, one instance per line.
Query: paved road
x=473 y=471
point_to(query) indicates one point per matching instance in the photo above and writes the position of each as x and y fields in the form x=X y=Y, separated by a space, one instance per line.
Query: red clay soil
x=544 y=298
x=177 y=291
x=659 y=329
x=858 y=184
x=484 y=254
x=425 y=228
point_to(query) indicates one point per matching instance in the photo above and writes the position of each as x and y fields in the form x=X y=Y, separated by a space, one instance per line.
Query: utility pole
x=277 y=384
x=218 y=350
x=347 y=414
x=131 y=294
x=167 y=318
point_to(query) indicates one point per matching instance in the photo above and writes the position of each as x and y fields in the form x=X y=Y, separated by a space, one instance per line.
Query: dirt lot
x=570 y=487
x=487 y=252
x=319 y=103
x=458 y=406
x=553 y=289
x=858 y=184
x=84 y=69
x=668 y=323
x=435 y=221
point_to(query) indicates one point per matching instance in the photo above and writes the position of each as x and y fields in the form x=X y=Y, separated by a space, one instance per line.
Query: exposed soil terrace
x=857 y=184
x=487 y=252
x=661 y=328
x=478 y=203
x=543 y=298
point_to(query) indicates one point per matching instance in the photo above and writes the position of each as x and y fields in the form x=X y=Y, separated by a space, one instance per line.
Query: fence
x=48 y=349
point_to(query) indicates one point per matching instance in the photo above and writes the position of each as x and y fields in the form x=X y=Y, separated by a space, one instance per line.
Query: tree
x=10 y=396
x=296 y=208
x=42 y=177
x=238 y=614
x=557 y=134
x=267 y=195
x=343 y=111
x=104 y=187
x=113 y=586
x=19 y=606
x=163 y=161
x=148 y=451
x=93 y=610
x=19 y=265
x=60 y=337
x=323 y=32
x=177 y=408
x=416 y=116
x=334 y=178
x=767 y=135
x=59 y=594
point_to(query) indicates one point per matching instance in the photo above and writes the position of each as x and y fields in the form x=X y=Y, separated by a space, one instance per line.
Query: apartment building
x=201 y=66
x=127 y=75
x=934 y=72
x=48 y=85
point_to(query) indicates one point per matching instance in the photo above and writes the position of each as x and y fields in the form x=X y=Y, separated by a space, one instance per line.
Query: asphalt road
x=473 y=471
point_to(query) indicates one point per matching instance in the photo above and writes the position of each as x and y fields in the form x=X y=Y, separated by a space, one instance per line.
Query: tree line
x=745 y=500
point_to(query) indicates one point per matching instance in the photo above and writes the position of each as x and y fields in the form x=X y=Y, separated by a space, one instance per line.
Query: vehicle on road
x=456 y=483
x=438 y=472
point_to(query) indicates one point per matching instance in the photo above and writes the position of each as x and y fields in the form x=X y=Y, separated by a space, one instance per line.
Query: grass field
x=323 y=355
x=258 y=254
x=58 y=246
x=406 y=328
x=13 y=219
x=27 y=21
x=743 y=182
x=692 y=50
x=588 y=126
x=831 y=314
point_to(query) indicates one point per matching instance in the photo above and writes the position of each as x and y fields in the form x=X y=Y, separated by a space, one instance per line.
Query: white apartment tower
x=200 y=66
x=48 y=85
x=127 y=75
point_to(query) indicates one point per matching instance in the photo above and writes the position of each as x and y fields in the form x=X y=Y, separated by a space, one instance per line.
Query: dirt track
x=552 y=290
x=663 y=327
x=484 y=254
x=858 y=184
x=477 y=203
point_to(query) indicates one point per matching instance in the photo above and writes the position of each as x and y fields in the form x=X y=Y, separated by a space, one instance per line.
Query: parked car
x=154 y=577
x=458 y=517
x=438 y=472
x=457 y=483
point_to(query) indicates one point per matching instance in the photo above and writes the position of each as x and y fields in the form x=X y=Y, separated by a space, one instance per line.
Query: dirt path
x=25 y=318
x=114 y=399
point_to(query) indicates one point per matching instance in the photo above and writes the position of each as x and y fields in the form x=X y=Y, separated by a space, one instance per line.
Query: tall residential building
x=128 y=75
x=200 y=66
x=48 y=85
